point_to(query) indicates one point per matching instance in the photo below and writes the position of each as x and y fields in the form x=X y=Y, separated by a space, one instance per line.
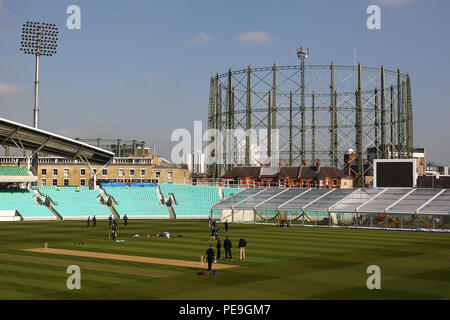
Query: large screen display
x=395 y=174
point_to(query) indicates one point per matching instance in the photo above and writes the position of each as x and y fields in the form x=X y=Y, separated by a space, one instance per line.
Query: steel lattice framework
x=339 y=108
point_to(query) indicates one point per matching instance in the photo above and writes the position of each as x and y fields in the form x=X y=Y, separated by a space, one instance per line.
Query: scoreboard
x=398 y=173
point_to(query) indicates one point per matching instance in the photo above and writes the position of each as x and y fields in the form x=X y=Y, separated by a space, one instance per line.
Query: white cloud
x=11 y=91
x=255 y=36
x=7 y=31
x=71 y=133
x=126 y=100
x=395 y=2
x=202 y=38
x=4 y=12
x=149 y=77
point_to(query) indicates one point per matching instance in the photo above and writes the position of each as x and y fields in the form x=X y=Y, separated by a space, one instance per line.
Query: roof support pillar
x=383 y=116
x=333 y=133
x=269 y=127
x=313 y=129
x=359 y=134
x=377 y=127
x=391 y=124
x=409 y=118
x=248 y=118
x=399 y=117
x=290 y=129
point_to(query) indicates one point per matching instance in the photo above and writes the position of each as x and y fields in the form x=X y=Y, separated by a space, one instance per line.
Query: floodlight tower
x=302 y=54
x=39 y=39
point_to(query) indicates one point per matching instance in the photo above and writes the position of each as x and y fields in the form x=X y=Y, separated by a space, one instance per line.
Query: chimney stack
x=317 y=165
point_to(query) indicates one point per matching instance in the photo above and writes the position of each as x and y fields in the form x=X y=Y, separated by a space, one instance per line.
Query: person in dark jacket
x=209 y=222
x=227 y=246
x=226 y=226
x=241 y=246
x=216 y=231
x=110 y=220
x=125 y=220
x=88 y=221
x=212 y=234
x=94 y=221
x=218 y=246
x=210 y=256
x=114 y=229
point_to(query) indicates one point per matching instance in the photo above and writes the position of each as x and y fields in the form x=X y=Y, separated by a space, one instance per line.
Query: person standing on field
x=216 y=231
x=241 y=246
x=88 y=221
x=210 y=256
x=125 y=220
x=227 y=246
x=218 y=246
x=226 y=226
x=114 y=229
x=110 y=220
x=94 y=221
x=212 y=234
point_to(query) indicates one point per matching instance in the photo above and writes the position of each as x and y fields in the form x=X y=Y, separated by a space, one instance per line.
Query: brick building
x=430 y=181
x=58 y=171
x=294 y=177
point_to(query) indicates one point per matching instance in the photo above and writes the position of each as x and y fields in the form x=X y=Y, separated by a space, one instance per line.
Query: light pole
x=39 y=39
x=302 y=54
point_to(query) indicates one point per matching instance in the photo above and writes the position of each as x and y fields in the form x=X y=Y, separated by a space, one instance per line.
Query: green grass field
x=282 y=263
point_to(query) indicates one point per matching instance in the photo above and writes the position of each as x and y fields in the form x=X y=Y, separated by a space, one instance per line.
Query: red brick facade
x=292 y=177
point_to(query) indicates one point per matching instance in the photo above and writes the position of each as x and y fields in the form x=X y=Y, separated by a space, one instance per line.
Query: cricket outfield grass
x=282 y=263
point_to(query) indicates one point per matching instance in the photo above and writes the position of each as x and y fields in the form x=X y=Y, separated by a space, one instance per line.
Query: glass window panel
x=413 y=201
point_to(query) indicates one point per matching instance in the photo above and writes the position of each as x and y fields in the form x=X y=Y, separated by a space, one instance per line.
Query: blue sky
x=140 y=69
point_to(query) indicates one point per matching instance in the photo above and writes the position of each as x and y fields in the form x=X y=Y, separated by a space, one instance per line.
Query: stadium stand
x=22 y=201
x=230 y=191
x=191 y=201
x=137 y=202
x=14 y=175
x=13 y=171
x=73 y=205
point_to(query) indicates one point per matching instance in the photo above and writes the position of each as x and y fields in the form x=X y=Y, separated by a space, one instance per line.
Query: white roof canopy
x=28 y=138
x=370 y=200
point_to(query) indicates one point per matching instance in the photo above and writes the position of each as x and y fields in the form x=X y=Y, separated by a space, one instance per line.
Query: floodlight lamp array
x=39 y=38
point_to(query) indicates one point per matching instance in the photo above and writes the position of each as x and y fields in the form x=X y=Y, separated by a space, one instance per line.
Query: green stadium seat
x=73 y=204
x=227 y=192
x=191 y=201
x=137 y=202
x=13 y=171
x=22 y=201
